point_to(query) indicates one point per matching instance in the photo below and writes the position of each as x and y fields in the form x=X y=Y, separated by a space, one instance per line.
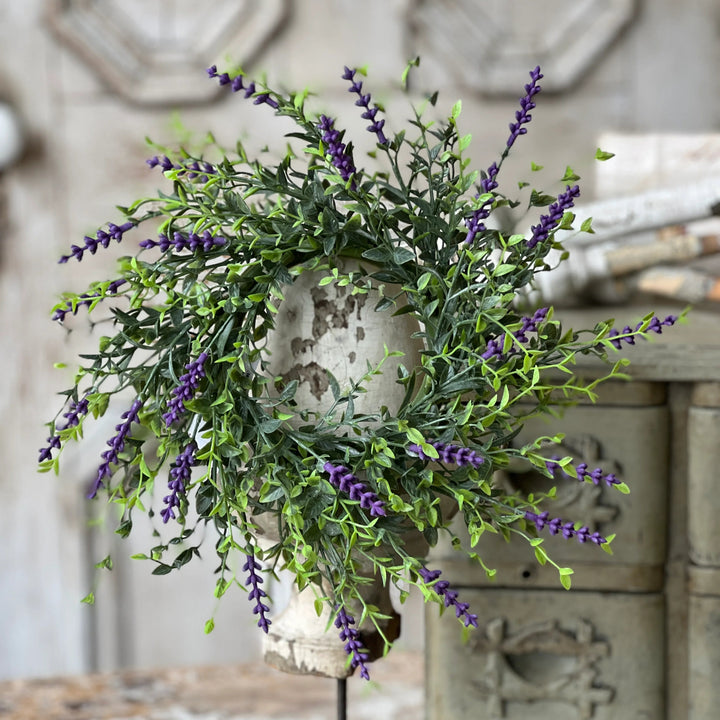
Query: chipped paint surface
x=333 y=331
x=311 y=374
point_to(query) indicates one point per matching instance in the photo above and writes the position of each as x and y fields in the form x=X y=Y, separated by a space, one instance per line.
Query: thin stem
x=342 y=699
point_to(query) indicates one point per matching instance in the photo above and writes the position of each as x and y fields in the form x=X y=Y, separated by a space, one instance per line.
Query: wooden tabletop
x=238 y=692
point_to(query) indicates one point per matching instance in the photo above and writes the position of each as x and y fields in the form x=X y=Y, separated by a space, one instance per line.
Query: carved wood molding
x=489 y=44
x=563 y=654
x=156 y=53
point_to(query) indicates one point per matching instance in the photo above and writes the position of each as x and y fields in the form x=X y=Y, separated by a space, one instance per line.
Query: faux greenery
x=192 y=311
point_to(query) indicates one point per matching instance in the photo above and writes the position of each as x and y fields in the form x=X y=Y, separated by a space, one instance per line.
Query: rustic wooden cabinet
x=638 y=636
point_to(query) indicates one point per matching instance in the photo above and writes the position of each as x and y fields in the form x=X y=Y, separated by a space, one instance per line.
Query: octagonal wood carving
x=155 y=53
x=491 y=44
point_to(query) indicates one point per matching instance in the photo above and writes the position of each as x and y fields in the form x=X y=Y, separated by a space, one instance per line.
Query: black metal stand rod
x=342 y=699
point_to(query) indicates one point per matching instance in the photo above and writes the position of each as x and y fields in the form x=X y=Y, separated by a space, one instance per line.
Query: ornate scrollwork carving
x=490 y=45
x=549 y=661
x=159 y=57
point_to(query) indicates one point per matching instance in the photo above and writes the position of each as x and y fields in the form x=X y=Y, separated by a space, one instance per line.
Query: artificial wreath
x=225 y=443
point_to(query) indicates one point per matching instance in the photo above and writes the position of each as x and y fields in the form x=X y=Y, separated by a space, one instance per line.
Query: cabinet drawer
x=548 y=654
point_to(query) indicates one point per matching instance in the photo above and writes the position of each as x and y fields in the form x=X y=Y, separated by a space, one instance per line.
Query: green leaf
x=299 y=99
x=406 y=71
x=565 y=581
x=456 y=110
x=569 y=175
x=318 y=605
x=221 y=587
x=423 y=280
x=209 y=626
x=378 y=254
x=540 y=199
x=464 y=142
x=106 y=563
x=384 y=304
x=602 y=155
x=402 y=255
x=89 y=599
x=535 y=167
x=587 y=226
x=270 y=425
x=429 y=450
x=503 y=269
x=273 y=494
x=183 y=558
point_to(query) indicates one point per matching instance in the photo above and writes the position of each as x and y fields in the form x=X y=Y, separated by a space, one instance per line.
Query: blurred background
x=83 y=82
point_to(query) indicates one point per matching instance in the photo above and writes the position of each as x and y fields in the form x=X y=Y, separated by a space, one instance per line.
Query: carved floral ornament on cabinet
x=487 y=44
x=156 y=54
x=568 y=653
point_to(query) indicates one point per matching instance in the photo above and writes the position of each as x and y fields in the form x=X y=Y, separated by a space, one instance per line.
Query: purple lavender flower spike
x=179 y=477
x=549 y=222
x=489 y=183
x=236 y=84
x=451 y=454
x=256 y=593
x=474 y=224
x=595 y=476
x=556 y=526
x=185 y=391
x=102 y=237
x=449 y=596
x=351 y=637
x=493 y=349
x=523 y=116
x=267 y=100
x=190 y=242
x=348 y=483
x=163 y=161
x=339 y=156
x=87 y=299
x=192 y=170
x=529 y=324
x=72 y=416
x=117 y=445
x=46 y=452
x=628 y=334
x=363 y=101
